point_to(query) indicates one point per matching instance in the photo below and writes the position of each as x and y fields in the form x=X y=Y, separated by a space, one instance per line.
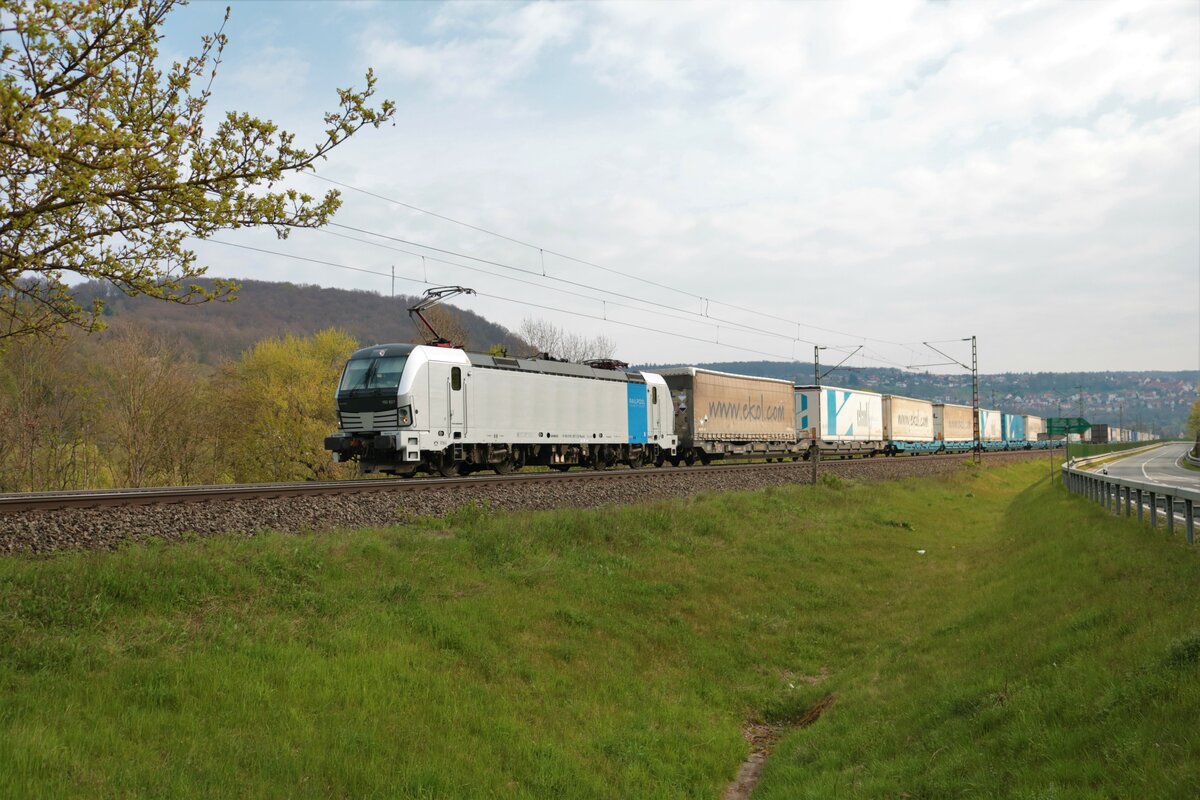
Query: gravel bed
x=107 y=528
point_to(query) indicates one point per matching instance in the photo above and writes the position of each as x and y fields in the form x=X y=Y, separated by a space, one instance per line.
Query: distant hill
x=1155 y=402
x=1149 y=401
x=219 y=330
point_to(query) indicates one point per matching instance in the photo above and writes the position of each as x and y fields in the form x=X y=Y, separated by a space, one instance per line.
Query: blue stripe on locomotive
x=638 y=420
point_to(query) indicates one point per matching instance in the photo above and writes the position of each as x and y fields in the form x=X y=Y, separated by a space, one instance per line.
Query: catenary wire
x=504 y=299
x=569 y=282
x=699 y=318
x=585 y=262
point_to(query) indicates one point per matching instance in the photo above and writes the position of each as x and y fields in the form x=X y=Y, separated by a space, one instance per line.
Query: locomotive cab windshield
x=381 y=372
x=368 y=393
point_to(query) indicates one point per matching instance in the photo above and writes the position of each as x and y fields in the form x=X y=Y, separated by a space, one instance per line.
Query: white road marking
x=1144 y=469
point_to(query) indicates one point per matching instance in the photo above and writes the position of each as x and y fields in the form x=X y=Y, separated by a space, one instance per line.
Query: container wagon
x=1012 y=431
x=952 y=426
x=990 y=429
x=908 y=425
x=721 y=415
x=839 y=421
x=1035 y=433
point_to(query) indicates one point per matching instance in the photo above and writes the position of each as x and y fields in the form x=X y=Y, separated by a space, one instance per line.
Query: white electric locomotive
x=404 y=408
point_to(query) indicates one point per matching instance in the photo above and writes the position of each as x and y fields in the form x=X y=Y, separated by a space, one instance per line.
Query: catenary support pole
x=816 y=445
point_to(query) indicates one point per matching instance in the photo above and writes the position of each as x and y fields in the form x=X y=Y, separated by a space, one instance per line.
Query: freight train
x=406 y=408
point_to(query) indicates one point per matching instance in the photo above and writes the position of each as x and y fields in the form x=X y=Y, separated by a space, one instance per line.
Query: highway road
x=1161 y=465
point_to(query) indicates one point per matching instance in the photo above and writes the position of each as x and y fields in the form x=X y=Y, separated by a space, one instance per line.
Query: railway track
x=173 y=495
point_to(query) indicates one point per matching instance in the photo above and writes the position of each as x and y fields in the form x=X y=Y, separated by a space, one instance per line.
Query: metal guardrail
x=1117 y=493
x=1084 y=461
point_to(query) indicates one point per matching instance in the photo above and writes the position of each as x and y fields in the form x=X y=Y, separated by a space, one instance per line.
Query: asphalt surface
x=1161 y=465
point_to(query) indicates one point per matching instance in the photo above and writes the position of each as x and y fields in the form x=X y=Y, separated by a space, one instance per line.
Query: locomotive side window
x=456 y=379
x=654 y=395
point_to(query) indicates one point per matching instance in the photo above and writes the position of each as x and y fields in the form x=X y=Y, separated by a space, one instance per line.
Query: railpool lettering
x=750 y=410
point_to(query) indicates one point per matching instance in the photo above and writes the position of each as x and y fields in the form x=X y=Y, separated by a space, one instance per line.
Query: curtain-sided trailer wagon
x=839 y=421
x=720 y=415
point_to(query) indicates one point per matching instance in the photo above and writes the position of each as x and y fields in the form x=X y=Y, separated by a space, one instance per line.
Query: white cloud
x=899 y=170
x=475 y=50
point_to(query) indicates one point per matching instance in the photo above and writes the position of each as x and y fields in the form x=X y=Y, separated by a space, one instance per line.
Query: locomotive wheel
x=636 y=461
x=449 y=468
x=504 y=467
x=602 y=457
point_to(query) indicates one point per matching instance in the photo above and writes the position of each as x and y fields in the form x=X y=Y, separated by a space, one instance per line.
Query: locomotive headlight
x=404 y=416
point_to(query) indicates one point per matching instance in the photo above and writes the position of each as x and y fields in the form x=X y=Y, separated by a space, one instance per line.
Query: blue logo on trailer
x=804 y=408
x=638 y=427
x=834 y=407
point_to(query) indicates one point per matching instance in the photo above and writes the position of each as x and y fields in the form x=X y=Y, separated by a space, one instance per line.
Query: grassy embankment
x=1037 y=649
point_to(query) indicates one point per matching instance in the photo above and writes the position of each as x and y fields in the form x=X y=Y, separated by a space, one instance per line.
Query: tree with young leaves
x=279 y=406
x=107 y=168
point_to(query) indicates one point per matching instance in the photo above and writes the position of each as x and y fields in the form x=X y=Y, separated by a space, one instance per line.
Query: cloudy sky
x=735 y=181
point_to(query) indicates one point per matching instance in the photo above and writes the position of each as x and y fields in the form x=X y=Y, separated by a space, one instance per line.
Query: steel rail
x=169 y=495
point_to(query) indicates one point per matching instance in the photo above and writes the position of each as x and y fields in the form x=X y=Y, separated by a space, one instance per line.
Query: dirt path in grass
x=762 y=738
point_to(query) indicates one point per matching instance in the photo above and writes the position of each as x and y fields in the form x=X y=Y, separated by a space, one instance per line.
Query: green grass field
x=1037 y=649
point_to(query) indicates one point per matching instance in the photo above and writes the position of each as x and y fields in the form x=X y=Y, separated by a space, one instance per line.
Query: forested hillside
x=216 y=331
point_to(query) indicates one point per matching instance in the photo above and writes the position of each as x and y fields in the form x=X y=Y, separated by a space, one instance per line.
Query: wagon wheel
x=689 y=457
